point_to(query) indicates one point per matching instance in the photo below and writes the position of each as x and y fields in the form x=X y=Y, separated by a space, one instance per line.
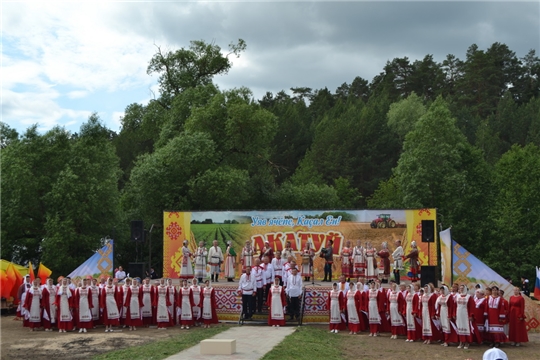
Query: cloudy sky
x=61 y=61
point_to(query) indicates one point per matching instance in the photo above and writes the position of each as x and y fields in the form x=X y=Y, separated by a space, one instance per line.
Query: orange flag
x=43 y=273
x=16 y=279
x=31 y=272
x=5 y=285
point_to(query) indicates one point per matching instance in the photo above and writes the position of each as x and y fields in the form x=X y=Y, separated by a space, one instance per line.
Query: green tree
x=404 y=114
x=306 y=196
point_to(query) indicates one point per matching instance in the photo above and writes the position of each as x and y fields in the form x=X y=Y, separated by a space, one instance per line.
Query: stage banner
x=298 y=227
x=469 y=270
x=99 y=265
x=446 y=256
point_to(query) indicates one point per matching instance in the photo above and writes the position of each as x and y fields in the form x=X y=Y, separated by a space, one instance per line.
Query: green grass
x=163 y=348
x=307 y=342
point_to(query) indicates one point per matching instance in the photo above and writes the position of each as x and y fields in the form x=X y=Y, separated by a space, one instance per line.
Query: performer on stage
x=50 y=309
x=247 y=287
x=196 y=309
x=186 y=304
x=307 y=261
x=464 y=315
x=230 y=262
x=200 y=261
x=496 y=317
x=258 y=272
x=429 y=329
x=32 y=307
x=396 y=305
x=413 y=261
x=110 y=298
x=444 y=308
x=208 y=301
x=83 y=303
x=64 y=303
x=246 y=256
x=134 y=304
x=215 y=258
x=354 y=304
x=186 y=268
x=294 y=292
x=336 y=305
x=412 y=300
x=288 y=251
x=147 y=310
x=266 y=251
x=276 y=303
x=328 y=254
x=162 y=303
x=371 y=264
x=96 y=291
x=517 y=331
x=359 y=261
x=384 y=263
x=346 y=260
x=278 y=264
x=397 y=256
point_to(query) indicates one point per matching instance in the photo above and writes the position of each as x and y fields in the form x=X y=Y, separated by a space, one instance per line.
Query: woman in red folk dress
x=186 y=303
x=517 y=331
x=110 y=299
x=464 y=316
x=384 y=263
x=336 y=305
x=134 y=305
x=495 y=312
x=48 y=299
x=479 y=317
x=430 y=332
x=147 y=310
x=161 y=303
x=276 y=304
x=346 y=260
x=412 y=301
x=64 y=304
x=374 y=317
x=32 y=307
x=382 y=305
x=354 y=305
x=395 y=309
x=359 y=262
x=444 y=307
x=83 y=305
x=173 y=295
x=208 y=305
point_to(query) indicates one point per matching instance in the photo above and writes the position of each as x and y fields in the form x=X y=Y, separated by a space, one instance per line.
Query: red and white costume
x=246 y=257
x=336 y=304
x=278 y=265
x=48 y=298
x=374 y=317
x=307 y=262
x=32 y=307
x=95 y=301
x=430 y=332
x=173 y=295
x=147 y=291
x=64 y=303
x=186 y=304
x=162 y=303
x=186 y=267
x=359 y=262
x=371 y=265
x=464 y=310
x=209 y=315
x=444 y=308
x=83 y=305
x=396 y=306
x=276 y=303
x=134 y=304
x=414 y=330
x=122 y=306
x=354 y=306
x=346 y=262
x=495 y=313
x=196 y=309
x=111 y=297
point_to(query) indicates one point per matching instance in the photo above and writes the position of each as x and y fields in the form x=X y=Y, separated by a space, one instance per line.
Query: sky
x=62 y=61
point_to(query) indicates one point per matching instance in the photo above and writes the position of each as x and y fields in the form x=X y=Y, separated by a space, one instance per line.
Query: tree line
x=462 y=136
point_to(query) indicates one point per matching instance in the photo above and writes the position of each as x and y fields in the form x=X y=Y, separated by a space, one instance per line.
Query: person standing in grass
x=110 y=299
x=353 y=305
x=134 y=304
x=517 y=330
x=186 y=304
x=336 y=305
x=208 y=296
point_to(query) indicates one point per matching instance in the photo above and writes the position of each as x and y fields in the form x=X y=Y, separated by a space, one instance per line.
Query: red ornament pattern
x=174 y=231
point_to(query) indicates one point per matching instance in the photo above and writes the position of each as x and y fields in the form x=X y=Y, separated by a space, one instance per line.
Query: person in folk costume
x=147 y=310
x=412 y=306
x=359 y=261
x=246 y=257
x=363 y=310
x=96 y=291
x=32 y=306
x=267 y=251
x=346 y=260
x=517 y=331
x=258 y=272
x=134 y=304
x=506 y=307
x=336 y=305
x=396 y=304
x=327 y=254
x=444 y=308
x=208 y=305
x=196 y=310
x=382 y=304
x=479 y=318
x=247 y=288
x=307 y=261
x=111 y=297
x=413 y=261
x=161 y=303
x=353 y=300
x=397 y=256
x=384 y=263
x=278 y=264
x=83 y=304
x=374 y=317
x=21 y=296
x=371 y=264
x=294 y=289
x=50 y=310
x=268 y=277
x=427 y=313
x=173 y=295
x=464 y=317
x=186 y=267
x=495 y=313
x=288 y=251
x=230 y=262
x=201 y=255
x=276 y=304
x=123 y=307
x=186 y=303
x=215 y=258
x=64 y=304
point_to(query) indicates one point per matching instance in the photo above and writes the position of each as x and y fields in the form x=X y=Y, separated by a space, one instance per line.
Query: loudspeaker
x=427 y=275
x=137 y=230
x=428 y=230
x=137 y=270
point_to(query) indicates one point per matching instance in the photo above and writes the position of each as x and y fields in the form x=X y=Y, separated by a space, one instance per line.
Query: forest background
x=462 y=136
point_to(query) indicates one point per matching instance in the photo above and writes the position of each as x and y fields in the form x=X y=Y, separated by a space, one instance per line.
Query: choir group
x=68 y=307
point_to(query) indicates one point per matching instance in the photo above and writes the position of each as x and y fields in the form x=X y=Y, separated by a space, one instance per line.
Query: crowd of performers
x=446 y=316
x=67 y=306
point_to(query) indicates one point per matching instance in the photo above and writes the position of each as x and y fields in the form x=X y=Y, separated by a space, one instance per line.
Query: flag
x=5 y=285
x=537 y=284
x=99 y=264
x=16 y=279
x=31 y=272
x=43 y=273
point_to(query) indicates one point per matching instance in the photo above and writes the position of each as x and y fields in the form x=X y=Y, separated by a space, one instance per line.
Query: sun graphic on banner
x=174 y=231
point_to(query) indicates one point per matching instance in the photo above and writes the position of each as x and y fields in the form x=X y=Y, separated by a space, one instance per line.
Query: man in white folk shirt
x=247 y=288
x=215 y=258
x=257 y=272
x=268 y=276
x=294 y=291
x=397 y=255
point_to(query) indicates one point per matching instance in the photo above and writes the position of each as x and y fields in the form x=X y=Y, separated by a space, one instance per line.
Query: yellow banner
x=177 y=228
